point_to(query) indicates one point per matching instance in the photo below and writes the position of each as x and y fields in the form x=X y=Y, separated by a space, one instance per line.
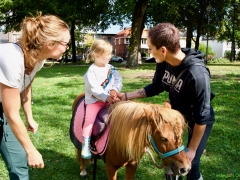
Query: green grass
x=55 y=88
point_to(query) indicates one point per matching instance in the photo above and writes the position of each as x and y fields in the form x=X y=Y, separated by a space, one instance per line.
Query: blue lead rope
x=168 y=154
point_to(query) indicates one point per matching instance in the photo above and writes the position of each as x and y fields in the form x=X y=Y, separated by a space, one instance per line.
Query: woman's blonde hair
x=99 y=46
x=36 y=31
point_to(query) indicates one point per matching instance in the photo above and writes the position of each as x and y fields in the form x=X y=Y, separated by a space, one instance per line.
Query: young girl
x=102 y=82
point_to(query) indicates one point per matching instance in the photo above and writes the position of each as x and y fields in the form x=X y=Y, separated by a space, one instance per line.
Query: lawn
x=55 y=88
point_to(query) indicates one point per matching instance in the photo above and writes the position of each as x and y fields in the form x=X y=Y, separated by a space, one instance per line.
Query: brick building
x=122 y=41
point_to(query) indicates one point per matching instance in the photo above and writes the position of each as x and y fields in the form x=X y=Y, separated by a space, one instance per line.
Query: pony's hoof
x=83 y=176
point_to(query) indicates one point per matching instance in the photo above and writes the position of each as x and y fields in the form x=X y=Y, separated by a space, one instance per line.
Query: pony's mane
x=130 y=126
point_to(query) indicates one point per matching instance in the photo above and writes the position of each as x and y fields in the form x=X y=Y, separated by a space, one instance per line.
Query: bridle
x=163 y=155
x=167 y=154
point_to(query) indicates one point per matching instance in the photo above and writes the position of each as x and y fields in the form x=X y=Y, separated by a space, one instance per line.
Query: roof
x=127 y=32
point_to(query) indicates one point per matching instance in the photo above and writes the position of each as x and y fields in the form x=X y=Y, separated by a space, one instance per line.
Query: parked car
x=116 y=59
x=150 y=60
x=77 y=58
x=69 y=59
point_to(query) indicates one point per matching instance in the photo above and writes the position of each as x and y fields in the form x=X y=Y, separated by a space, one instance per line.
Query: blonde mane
x=131 y=124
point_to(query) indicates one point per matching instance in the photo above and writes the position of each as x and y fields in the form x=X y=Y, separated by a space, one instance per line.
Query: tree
x=136 y=33
x=78 y=13
x=225 y=31
x=189 y=16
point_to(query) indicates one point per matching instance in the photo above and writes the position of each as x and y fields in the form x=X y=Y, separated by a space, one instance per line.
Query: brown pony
x=135 y=126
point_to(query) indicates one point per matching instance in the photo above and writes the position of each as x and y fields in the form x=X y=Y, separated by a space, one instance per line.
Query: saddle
x=99 y=138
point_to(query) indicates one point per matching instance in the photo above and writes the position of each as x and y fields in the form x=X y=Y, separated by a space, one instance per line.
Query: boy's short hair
x=165 y=34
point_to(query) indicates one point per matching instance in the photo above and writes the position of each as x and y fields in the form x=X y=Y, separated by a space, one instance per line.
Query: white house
x=9 y=37
x=220 y=47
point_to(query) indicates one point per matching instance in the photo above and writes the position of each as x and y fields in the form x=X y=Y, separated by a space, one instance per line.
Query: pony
x=135 y=126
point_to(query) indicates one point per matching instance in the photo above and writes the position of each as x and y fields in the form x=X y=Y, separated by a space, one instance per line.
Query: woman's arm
x=11 y=105
x=140 y=93
x=27 y=108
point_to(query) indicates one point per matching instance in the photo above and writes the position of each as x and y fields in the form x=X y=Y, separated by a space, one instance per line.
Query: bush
x=211 y=54
x=219 y=61
x=227 y=54
x=238 y=55
x=143 y=54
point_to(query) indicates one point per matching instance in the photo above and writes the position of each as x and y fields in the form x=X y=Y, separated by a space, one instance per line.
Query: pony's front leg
x=83 y=172
x=82 y=163
x=131 y=168
x=111 y=172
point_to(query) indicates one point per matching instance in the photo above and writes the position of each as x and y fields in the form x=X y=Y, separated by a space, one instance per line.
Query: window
x=127 y=41
x=144 y=41
x=15 y=37
x=229 y=44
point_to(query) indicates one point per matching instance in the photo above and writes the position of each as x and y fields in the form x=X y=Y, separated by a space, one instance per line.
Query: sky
x=114 y=29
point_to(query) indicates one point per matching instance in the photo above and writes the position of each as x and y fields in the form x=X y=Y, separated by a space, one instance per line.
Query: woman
x=182 y=73
x=42 y=37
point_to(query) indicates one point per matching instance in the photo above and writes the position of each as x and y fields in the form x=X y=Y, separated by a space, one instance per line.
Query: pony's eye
x=164 y=139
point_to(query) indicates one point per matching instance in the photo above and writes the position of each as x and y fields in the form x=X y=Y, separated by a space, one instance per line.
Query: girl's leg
x=91 y=114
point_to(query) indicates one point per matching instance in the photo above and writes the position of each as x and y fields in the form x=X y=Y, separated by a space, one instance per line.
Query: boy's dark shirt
x=191 y=95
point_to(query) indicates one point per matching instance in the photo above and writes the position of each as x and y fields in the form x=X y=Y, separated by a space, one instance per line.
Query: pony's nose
x=184 y=171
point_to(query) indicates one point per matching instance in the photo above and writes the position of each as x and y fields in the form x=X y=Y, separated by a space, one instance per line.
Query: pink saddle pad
x=100 y=131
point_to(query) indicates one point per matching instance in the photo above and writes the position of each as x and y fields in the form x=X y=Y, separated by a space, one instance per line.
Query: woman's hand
x=32 y=126
x=35 y=159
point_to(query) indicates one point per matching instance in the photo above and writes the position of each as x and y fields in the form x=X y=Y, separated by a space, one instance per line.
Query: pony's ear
x=149 y=114
x=167 y=104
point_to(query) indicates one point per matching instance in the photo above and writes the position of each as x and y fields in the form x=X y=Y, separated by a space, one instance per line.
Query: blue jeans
x=12 y=151
x=194 y=173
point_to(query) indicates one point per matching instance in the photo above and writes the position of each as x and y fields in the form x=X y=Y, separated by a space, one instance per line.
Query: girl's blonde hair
x=36 y=31
x=99 y=47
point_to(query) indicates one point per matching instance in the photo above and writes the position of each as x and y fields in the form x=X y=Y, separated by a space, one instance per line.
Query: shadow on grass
x=62 y=167
x=57 y=167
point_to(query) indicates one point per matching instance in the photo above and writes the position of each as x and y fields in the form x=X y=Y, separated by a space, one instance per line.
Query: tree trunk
x=189 y=37
x=198 y=36
x=73 y=42
x=136 y=33
x=197 y=41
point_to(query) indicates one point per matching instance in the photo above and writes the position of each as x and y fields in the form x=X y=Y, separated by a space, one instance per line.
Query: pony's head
x=133 y=123
x=167 y=130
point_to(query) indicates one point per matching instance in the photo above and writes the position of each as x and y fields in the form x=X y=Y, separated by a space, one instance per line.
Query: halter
x=167 y=154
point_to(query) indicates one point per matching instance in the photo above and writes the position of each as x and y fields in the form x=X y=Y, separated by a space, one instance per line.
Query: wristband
x=126 y=96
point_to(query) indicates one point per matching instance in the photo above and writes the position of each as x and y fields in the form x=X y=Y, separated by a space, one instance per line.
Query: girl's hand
x=110 y=99
x=113 y=94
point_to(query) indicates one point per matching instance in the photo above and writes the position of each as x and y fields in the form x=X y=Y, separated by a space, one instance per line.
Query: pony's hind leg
x=131 y=168
x=82 y=163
